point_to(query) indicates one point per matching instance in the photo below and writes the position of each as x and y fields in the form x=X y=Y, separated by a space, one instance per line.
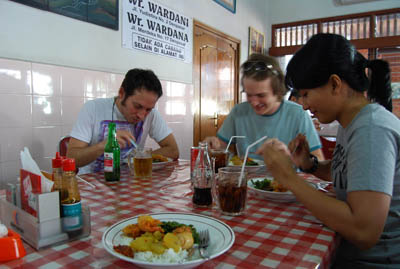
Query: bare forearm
x=85 y=155
x=337 y=215
x=169 y=151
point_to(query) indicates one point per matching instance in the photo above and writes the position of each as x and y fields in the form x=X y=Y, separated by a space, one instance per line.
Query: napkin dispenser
x=44 y=206
x=44 y=233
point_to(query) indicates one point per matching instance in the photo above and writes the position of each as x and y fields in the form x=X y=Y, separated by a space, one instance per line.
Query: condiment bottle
x=57 y=174
x=56 y=164
x=203 y=178
x=112 y=153
x=71 y=209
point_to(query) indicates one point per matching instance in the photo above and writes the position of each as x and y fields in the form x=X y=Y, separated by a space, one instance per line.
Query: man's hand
x=83 y=153
x=124 y=137
x=214 y=142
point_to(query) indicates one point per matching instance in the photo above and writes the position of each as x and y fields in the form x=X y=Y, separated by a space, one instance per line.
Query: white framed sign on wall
x=149 y=26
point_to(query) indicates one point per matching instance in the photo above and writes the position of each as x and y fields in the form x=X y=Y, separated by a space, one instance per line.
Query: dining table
x=268 y=235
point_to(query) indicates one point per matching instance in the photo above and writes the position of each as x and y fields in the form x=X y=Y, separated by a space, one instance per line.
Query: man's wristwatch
x=314 y=167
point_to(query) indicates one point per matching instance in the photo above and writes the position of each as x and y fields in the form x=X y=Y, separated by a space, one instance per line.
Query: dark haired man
x=134 y=114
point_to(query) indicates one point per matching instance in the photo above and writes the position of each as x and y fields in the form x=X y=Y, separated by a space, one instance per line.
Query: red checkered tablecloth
x=268 y=235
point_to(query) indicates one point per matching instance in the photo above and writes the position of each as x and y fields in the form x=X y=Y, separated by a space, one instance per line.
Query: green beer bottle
x=112 y=155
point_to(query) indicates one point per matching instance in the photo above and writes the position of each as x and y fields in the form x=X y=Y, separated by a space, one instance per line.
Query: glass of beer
x=142 y=163
x=231 y=191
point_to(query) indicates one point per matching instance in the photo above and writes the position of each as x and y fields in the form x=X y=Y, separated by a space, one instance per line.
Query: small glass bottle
x=57 y=175
x=71 y=209
x=56 y=164
x=203 y=178
x=112 y=153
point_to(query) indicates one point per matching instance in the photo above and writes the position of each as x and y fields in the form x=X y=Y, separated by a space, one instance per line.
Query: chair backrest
x=63 y=145
x=62 y=148
x=328 y=147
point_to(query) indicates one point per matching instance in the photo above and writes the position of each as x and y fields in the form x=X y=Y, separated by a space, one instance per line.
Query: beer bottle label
x=108 y=161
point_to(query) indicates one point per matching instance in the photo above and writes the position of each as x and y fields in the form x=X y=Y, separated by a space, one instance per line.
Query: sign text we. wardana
x=151 y=27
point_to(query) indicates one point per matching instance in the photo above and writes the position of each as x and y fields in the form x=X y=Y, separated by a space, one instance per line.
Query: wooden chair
x=63 y=145
x=328 y=146
x=62 y=148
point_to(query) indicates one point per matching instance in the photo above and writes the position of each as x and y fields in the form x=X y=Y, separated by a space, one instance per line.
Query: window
x=365 y=30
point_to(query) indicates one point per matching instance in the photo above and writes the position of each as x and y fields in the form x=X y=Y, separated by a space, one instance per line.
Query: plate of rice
x=252 y=165
x=267 y=188
x=160 y=161
x=221 y=235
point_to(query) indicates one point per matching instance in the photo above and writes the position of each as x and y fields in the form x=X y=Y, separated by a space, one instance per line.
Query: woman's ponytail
x=380 y=89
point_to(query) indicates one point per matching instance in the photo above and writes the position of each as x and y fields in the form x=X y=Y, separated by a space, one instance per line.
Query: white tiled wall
x=39 y=103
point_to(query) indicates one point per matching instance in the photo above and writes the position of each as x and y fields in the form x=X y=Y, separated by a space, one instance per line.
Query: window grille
x=365 y=30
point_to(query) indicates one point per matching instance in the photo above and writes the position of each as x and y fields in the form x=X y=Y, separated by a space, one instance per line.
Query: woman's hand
x=278 y=160
x=300 y=151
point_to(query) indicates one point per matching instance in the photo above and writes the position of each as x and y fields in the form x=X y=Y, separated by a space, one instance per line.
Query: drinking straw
x=133 y=142
x=134 y=146
x=230 y=140
x=90 y=184
x=245 y=158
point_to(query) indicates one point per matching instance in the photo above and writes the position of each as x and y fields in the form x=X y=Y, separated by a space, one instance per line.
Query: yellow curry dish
x=249 y=162
x=158 y=158
x=152 y=235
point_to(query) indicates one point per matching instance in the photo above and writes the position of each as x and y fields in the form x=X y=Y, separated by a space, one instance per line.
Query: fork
x=204 y=240
x=320 y=186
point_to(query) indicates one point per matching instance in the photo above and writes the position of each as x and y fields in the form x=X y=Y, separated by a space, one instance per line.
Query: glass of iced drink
x=221 y=158
x=231 y=191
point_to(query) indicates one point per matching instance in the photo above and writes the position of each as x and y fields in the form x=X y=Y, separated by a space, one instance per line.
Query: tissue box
x=44 y=206
x=30 y=187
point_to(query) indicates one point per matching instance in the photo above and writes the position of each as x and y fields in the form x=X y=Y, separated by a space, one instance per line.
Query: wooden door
x=216 y=76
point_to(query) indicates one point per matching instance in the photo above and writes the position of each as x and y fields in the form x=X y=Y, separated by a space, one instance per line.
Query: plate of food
x=268 y=188
x=160 y=161
x=166 y=240
x=252 y=164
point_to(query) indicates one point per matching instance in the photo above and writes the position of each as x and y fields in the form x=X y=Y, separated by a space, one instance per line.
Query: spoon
x=134 y=146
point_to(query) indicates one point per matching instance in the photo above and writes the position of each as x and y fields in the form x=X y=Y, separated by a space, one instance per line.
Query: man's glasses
x=259 y=67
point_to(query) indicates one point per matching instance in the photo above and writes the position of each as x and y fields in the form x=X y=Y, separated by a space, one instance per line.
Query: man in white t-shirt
x=134 y=114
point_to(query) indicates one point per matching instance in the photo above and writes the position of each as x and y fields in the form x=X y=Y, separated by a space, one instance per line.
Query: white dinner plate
x=221 y=238
x=274 y=196
x=156 y=166
x=270 y=195
x=159 y=165
x=251 y=168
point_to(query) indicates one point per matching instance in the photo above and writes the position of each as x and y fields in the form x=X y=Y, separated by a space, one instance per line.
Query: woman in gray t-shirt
x=331 y=77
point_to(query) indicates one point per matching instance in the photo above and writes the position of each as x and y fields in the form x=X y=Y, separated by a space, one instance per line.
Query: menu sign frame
x=151 y=27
